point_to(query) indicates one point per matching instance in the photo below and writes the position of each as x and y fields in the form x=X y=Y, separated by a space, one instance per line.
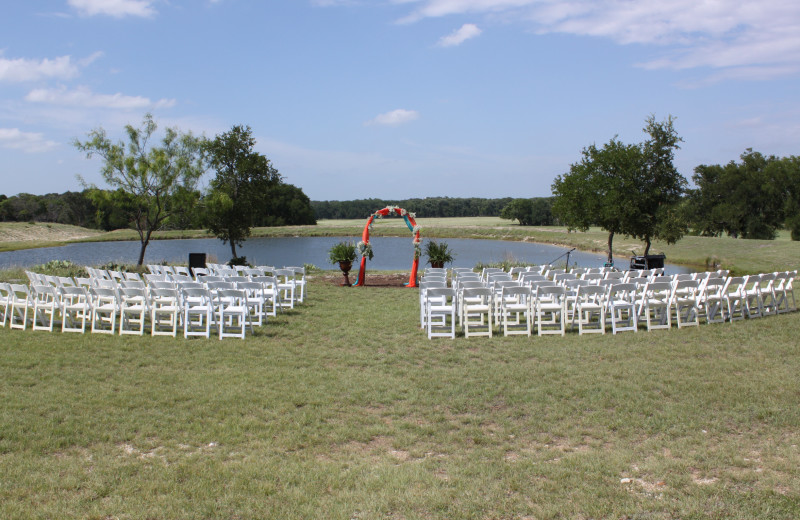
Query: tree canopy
x=530 y=212
x=749 y=199
x=248 y=190
x=150 y=176
x=629 y=189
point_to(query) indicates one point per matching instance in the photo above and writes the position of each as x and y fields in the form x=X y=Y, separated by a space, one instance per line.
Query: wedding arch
x=365 y=249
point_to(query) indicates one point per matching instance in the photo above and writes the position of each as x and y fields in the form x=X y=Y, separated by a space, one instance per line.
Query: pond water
x=391 y=253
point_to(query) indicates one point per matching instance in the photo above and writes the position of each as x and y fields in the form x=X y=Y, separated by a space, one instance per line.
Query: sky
x=397 y=99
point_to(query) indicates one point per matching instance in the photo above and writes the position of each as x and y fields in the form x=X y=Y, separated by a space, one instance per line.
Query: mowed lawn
x=342 y=409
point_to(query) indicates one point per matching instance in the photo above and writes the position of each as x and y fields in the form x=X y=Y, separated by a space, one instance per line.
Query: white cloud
x=459 y=36
x=394 y=118
x=114 y=8
x=21 y=69
x=84 y=97
x=721 y=34
x=26 y=141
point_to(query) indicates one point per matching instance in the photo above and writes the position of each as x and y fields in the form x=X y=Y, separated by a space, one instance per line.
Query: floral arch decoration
x=365 y=249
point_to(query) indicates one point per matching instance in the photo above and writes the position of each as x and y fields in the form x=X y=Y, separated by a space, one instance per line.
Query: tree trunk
x=610 y=249
x=233 y=249
x=141 y=252
x=646 y=246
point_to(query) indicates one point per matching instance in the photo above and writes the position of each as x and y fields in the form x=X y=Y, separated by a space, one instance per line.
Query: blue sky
x=398 y=98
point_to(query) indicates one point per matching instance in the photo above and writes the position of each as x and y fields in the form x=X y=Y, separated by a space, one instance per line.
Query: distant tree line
x=750 y=199
x=286 y=205
x=430 y=207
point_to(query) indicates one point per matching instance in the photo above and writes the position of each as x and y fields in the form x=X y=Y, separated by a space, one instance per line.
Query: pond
x=391 y=253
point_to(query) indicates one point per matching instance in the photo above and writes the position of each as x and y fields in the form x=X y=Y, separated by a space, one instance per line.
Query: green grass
x=342 y=408
x=739 y=256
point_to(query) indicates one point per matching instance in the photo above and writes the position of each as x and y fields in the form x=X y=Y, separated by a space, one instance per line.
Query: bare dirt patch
x=372 y=280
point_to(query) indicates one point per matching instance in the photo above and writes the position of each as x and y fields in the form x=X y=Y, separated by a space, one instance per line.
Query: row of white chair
x=657 y=301
x=229 y=304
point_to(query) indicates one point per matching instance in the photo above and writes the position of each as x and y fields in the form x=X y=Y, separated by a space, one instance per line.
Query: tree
x=626 y=189
x=750 y=199
x=518 y=209
x=240 y=188
x=659 y=187
x=597 y=190
x=151 y=175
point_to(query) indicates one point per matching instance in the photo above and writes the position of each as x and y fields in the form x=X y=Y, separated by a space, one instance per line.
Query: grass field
x=342 y=409
x=739 y=256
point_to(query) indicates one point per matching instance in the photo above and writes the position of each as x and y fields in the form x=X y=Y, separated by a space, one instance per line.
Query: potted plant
x=438 y=253
x=344 y=254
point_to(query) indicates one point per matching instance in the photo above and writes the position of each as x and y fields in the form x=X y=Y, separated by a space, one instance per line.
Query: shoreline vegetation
x=739 y=255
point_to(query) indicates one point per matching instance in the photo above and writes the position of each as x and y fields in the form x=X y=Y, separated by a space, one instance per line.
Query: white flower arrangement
x=412 y=215
x=365 y=250
x=403 y=212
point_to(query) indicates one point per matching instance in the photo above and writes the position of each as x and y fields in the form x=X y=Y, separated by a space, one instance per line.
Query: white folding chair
x=710 y=302
x=551 y=310
x=768 y=299
x=423 y=295
x=476 y=311
x=165 y=309
x=133 y=310
x=232 y=313
x=197 y=311
x=300 y=283
x=655 y=305
x=621 y=305
x=76 y=304
x=590 y=309
x=753 y=304
x=46 y=305
x=684 y=300
x=734 y=299
x=256 y=300
x=21 y=301
x=516 y=309
x=5 y=301
x=441 y=312
x=269 y=290
x=286 y=287
x=104 y=310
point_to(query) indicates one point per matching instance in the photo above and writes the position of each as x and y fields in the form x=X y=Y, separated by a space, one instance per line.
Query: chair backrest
x=512 y=291
x=132 y=276
x=561 y=277
x=219 y=286
x=472 y=284
x=477 y=292
x=161 y=285
x=555 y=292
x=66 y=281
x=622 y=291
x=195 y=296
x=74 y=294
x=132 y=293
x=162 y=294
x=231 y=297
x=614 y=275
x=590 y=293
x=658 y=289
x=104 y=294
x=267 y=282
x=177 y=277
x=440 y=294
